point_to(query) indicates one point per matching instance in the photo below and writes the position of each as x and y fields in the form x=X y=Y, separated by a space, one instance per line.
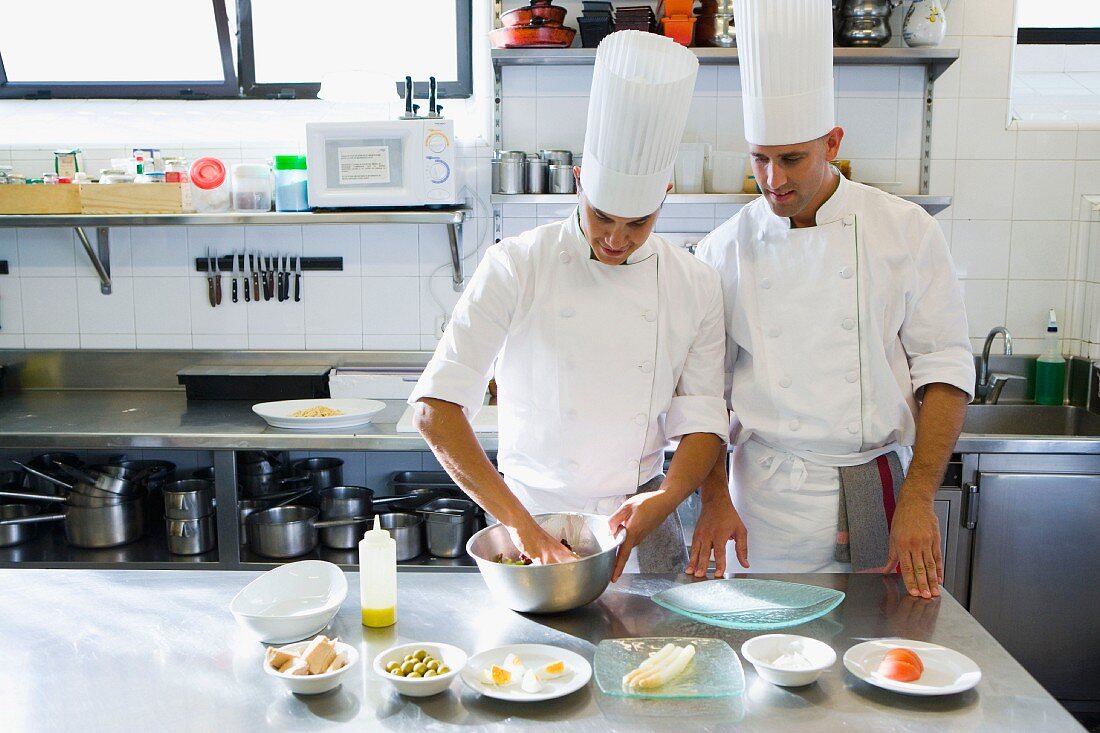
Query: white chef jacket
x=831 y=331
x=597 y=366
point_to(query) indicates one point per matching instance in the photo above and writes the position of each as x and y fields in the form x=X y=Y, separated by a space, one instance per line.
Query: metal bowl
x=549 y=588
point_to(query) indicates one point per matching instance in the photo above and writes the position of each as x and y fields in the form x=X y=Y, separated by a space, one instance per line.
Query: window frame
x=182 y=89
x=462 y=88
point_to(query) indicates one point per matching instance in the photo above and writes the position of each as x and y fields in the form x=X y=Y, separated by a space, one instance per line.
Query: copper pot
x=552 y=14
x=536 y=34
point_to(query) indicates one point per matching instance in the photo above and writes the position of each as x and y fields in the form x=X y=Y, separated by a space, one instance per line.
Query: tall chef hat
x=785 y=51
x=641 y=91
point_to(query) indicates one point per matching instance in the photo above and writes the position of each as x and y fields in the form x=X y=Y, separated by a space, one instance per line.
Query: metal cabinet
x=1035 y=574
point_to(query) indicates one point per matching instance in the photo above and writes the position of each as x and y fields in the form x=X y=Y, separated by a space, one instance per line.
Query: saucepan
x=108 y=525
x=111 y=479
x=80 y=492
x=246 y=507
x=188 y=499
x=17 y=534
x=156 y=472
x=341 y=502
x=46 y=463
x=552 y=14
x=288 y=531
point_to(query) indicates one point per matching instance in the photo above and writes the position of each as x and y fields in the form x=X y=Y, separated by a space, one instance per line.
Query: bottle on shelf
x=378 y=577
x=1050 y=369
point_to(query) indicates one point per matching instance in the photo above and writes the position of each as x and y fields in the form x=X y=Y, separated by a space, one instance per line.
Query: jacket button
x=848 y=324
x=650 y=316
x=766 y=283
x=564 y=257
x=785 y=382
x=849 y=220
x=646 y=367
x=633 y=465
x=853 y=427
x=568 y=312
x=852 y=377
x=846 y=273
x=774 y=332
x=641 y=418
x=795 y=424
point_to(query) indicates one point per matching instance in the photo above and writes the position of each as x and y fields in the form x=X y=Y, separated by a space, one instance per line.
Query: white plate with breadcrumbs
x=533 y=656
x=946 y=671
x=353 y=412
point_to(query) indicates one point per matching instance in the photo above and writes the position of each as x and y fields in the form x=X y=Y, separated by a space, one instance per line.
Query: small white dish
x=356 y=412
x=763 y=651
x=451 y=656
x=533 y=656
x=946 y=671
x=291 y=602
x=315 y=684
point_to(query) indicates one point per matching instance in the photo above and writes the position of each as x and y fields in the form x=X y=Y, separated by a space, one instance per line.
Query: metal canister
x=511 y=171
x=557 y=157
x=561 y=179
x=537 y=171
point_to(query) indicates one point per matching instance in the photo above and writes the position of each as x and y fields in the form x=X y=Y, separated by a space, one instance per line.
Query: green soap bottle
x=1050 y=369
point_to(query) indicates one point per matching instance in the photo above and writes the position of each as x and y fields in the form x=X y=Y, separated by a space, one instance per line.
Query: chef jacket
x=832 y=330
x=597 y=366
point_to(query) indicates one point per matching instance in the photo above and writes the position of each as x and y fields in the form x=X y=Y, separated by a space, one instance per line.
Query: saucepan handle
x=339 y=522
x=40 y=474
x=33 y=520
x=29 y=497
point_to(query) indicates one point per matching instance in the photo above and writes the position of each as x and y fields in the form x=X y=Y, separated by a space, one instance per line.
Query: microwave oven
x=394 y=163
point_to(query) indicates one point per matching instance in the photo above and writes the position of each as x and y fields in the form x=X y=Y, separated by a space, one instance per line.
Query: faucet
x=990 y=385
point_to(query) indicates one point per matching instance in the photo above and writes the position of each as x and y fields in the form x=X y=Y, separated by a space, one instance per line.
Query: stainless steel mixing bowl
x=549 y=588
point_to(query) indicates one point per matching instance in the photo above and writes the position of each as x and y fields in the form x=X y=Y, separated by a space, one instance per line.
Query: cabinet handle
x=970 y=506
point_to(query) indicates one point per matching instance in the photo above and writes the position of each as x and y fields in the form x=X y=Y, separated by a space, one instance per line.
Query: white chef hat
x=641 y=92
x=785 y=51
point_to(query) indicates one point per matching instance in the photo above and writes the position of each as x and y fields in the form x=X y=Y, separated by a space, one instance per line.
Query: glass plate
x=745 y=603
x=714 y=671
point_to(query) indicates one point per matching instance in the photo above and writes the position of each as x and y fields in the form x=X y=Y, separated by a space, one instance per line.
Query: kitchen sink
x=1065 y=421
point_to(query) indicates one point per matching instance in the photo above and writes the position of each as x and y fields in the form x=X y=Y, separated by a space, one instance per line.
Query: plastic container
x=251 y=187
x=378 y=577
x=291 y=193
x=209 y=187
x=1050 y=369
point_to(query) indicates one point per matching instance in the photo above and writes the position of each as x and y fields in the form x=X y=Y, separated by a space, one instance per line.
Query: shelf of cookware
x=937 y=59
x=100 y=255
x=932 y=204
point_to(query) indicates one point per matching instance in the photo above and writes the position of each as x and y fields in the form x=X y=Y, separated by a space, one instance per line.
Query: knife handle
x=247 y=290
x=255 y=286
x=210 y=291
x=297 y=287
x=234 y=290
x=218 y=290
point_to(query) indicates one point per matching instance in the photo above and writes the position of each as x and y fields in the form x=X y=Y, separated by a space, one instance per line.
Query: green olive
x=414 y=674
x=397 y=672
x=432 y=664
x=420 y=667
x=444 y=670
x=410 y=658
x=392 y=666
x=408 y=666
x=420 y=654
x=430 y=673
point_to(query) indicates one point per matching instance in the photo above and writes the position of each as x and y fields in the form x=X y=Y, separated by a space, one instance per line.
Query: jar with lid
x=291 y=193
x=251 y=187
x=209 y=187
x=537 y=172
x=511 y=171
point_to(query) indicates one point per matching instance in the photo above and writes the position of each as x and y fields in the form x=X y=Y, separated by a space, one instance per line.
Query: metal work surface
x=157 y=419
x=381 y=216
x=107 y=651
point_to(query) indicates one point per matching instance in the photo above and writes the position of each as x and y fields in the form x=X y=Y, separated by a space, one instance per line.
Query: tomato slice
x=906 y=655
x=898 y=670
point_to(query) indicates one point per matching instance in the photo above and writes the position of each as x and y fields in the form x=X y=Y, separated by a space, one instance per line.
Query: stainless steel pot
x=191 y=536
x=17 y=534
x=562 y=179
x=451 y=523
x=323 y=473
x=264 y=484
x=407 y=531
x=46 y=463
x=866 y=22
x=94 y=526
x=288 y=531
x=111 y=479
x=188 y=499
x=341 y=502
x=156 y=472
x=246 y=507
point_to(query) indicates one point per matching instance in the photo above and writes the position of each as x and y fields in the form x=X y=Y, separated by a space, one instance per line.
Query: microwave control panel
x=439 y=161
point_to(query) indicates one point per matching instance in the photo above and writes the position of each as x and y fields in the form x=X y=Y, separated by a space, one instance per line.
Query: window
x=287 y=48
x=1058 y=21
x=116 y=48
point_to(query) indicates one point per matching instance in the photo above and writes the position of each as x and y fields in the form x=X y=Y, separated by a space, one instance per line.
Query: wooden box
x=135 y=198
x=62 y=198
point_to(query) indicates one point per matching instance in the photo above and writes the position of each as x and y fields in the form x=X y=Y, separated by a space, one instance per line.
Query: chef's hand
x=639 y=515
x=718 y=523
x=915 y=542
x=536 y=543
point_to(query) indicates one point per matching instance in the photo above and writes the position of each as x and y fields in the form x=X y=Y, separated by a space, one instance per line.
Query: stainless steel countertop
x=116 y=650
x=74 y=419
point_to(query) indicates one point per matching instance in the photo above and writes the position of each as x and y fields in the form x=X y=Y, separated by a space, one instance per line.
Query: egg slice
x=531 y=682
x=501 y=676
x=552 y=670
x=514 y=664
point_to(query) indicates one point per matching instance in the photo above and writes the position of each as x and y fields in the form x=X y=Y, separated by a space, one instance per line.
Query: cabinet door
x=942 y=508
x=1035 y=578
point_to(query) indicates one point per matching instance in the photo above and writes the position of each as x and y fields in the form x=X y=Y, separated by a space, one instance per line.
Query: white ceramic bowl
x=315 y=684
x=451 y=656
x=291 y=602
x=762 y=651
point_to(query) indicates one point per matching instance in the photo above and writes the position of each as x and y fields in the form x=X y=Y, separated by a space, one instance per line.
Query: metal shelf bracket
x=99 y=257
x=454 y=234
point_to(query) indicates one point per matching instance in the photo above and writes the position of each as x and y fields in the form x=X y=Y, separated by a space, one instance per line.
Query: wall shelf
x=932 y=204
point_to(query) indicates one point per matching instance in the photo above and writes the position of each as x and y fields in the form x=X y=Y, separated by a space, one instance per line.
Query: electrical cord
x=487 y=217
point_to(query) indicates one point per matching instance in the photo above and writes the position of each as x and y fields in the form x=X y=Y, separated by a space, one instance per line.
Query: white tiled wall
x=1016 y=229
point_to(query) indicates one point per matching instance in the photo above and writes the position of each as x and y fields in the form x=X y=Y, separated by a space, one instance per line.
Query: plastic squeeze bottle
x=378 y=577
x=1050 y=369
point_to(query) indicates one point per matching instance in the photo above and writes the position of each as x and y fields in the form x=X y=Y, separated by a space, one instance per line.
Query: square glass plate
x=749 y=604
x=714 y=671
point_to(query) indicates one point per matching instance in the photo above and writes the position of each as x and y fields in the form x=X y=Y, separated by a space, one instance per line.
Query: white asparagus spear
x=656 y=658
x=669 y=670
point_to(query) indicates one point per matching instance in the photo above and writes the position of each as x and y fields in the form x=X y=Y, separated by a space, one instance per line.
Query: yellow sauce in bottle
x=379 y=617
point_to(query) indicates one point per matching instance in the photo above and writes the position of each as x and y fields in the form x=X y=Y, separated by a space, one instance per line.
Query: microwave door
x=371 y=169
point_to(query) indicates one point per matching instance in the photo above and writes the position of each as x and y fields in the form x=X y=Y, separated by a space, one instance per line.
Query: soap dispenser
x=378 y=577
x=1050 y=369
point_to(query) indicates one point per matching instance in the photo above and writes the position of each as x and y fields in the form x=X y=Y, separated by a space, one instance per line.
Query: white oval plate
x=946 y=671
x=356 y=412
x=532 y=656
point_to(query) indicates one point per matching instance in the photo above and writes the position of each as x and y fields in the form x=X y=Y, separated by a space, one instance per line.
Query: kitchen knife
x=217 y=280
x=210 y=279
x=255 y=278
x=269 y=279
x=280 y=278
x=298 y=279
x=233 y=274
x=245 y=276
x=286 y=276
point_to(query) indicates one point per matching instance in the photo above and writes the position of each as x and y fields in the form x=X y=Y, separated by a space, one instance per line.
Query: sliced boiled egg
x=552 y=670
x=531 y=682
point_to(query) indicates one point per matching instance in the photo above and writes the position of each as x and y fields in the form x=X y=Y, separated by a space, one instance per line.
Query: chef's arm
x=718 y=523
x=915 y=534
x=448 y=432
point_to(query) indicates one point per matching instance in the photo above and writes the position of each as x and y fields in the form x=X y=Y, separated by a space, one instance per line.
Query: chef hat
x=641 y=92
x=785 y=51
